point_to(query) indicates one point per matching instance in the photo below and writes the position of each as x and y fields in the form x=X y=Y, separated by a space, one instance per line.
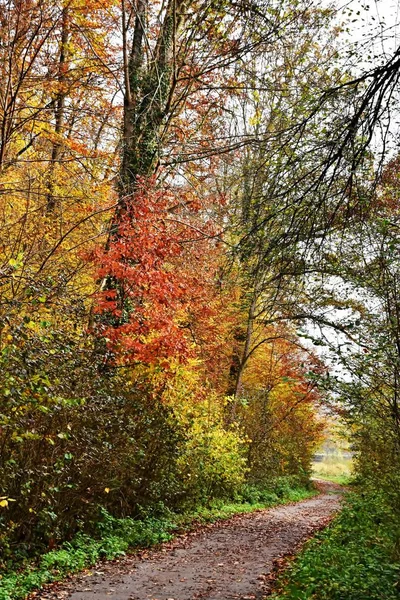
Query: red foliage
x=152 y=291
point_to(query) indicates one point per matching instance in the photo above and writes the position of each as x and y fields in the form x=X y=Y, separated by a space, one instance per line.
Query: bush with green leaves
x=213 y=462
x=74 y=438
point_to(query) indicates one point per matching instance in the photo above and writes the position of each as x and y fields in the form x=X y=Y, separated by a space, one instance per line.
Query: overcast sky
x=372 y=25
x=373 y=32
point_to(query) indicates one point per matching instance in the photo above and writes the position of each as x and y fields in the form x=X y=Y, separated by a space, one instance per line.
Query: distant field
x=333 y=467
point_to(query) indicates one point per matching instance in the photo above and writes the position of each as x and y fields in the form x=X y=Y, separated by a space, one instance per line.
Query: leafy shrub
x=212 y=463
x=74 y=438
x=287 y=488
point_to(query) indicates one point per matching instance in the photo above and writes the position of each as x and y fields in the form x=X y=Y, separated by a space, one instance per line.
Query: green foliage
x=289 y=488
x=74 y=438
x=354 y=558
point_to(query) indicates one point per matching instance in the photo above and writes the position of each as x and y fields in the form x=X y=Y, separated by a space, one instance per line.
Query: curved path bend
x=224 y=561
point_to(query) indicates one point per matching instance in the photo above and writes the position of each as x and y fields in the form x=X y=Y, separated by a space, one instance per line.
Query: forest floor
x=234 y=559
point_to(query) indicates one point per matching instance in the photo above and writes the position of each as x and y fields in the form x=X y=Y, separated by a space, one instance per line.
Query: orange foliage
x=281 y=416
x=160 y=296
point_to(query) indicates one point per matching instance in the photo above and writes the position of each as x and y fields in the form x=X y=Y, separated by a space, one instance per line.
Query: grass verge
x=353 y=559
x=116 y=537
x=340 y=479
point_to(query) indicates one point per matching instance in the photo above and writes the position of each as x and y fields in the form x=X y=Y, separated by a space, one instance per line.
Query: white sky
x=373 y=33
x=373 y=26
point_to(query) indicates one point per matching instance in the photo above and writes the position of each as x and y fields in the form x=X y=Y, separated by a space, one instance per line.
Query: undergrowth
x=115 y=537
x=355 y=558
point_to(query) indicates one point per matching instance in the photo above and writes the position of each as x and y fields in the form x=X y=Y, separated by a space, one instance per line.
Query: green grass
x=264 y=499
x=116 y=537
x=353 y=559
x=341 y=479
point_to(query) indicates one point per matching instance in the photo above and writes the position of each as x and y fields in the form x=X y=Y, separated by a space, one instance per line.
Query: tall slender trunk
x=247 y=347
x=239 y=360
x=149 y=85
x=59 y=112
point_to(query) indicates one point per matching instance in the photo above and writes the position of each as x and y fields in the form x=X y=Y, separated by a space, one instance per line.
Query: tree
x=370 y=268
x=279 y=407
x=282 y=208
x=175 y=60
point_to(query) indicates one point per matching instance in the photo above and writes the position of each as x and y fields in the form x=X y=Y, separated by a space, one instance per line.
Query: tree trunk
x=59 y=112
x=149 y=86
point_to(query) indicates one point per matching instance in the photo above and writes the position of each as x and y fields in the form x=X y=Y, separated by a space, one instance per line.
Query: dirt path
x=228 y=560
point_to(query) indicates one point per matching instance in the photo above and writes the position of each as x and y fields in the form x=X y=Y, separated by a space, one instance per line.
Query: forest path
x=224 y=561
